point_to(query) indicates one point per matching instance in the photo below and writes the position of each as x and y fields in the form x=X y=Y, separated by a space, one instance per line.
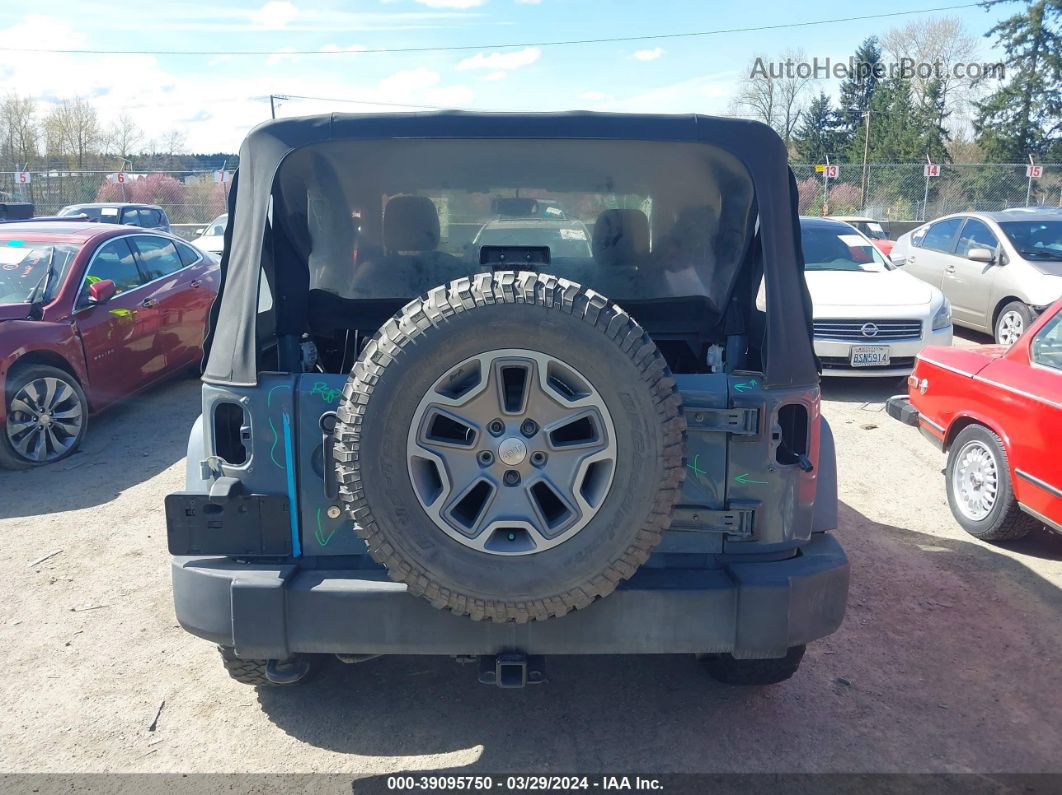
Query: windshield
x=831 y=248
x=107 y=215
x=23 y=266
x=1035 y=240
x=632 y=219
x=217 y=226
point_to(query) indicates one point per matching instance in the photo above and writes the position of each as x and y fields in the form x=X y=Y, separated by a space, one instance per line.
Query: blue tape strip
x=296 y=546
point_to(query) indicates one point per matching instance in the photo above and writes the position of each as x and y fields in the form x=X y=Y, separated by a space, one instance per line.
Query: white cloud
x=451 y=3
x=405 y=84
x=648 y=55
x=499 y=75
x=501 y=60
x=595 y=96
x=275 y=14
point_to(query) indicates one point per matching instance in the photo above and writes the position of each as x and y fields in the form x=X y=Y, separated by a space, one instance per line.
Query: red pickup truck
x=90 y=314
x=997 y=411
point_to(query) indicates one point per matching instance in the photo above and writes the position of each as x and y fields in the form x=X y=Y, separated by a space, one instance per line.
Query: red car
x=90 y=314
x=997 y=411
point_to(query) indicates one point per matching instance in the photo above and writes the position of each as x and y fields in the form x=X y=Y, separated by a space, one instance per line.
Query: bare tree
x=19 y=130
x=173 y=143
x=941 y=42
x=123 y=136
x=964 y=149
x=72 y=130
x=774 y=92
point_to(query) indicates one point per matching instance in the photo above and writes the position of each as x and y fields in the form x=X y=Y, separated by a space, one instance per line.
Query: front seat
x=620 y=244
x=411 y=239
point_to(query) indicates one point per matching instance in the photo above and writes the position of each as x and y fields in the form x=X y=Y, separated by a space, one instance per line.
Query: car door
x=968 y=284
x=118 y=335
x=926 y=261
x=1029 y=380
x=166 y=291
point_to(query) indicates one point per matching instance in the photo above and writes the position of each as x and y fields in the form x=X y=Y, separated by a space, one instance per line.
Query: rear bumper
x=899 y=408
x=750 y=609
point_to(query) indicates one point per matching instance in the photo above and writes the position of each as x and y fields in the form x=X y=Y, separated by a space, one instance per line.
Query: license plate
x=870 y=355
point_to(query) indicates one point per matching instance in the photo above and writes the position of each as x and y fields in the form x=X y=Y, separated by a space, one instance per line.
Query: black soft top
x=232 y=340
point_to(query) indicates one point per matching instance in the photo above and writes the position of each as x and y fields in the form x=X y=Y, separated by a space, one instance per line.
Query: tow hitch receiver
x=512 y=669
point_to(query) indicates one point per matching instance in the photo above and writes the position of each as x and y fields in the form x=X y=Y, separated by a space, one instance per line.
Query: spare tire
x=510 y=446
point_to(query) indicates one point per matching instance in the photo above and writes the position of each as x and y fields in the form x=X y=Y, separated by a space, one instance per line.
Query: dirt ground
x=948 y=660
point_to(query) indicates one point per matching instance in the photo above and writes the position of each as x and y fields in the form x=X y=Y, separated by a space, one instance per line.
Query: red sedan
x=90 y=314
x=997 y=410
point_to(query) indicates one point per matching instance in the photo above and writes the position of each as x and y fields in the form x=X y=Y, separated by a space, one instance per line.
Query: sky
x=215 y=99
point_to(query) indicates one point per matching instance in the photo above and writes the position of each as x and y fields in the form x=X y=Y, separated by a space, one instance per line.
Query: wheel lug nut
x=511 y=477
x=538 y=458
x=529 y=428
x=496 y=427
x=486 y=457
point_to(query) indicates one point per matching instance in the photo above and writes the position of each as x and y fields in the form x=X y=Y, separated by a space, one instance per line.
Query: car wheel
x=980 y=492
x=730 y=670
x=268 y=673
x=1012 y=322
x=47 y=416
x=510 y=446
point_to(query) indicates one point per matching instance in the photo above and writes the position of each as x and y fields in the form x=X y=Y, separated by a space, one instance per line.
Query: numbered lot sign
x=1034 y=172
x=931 y=170
x=831 y=171
x=23 y=177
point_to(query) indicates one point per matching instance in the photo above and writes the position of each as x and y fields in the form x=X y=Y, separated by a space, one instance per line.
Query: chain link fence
x=902 y=191
x=885 y=191
x=190 y=198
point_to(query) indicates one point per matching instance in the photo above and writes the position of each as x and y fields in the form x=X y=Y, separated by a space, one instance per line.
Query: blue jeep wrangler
x=581 y=438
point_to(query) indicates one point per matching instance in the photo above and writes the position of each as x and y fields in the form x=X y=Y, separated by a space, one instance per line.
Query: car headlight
x=942 y=319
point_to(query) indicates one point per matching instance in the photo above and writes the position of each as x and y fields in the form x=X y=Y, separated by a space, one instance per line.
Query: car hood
x=1049 y=268
x=838 y=290
x=14 y=311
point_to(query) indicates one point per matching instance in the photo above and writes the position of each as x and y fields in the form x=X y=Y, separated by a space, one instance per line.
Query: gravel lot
x=948 y=659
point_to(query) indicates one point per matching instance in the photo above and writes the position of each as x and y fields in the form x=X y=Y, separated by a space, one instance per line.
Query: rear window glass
x=631 y=219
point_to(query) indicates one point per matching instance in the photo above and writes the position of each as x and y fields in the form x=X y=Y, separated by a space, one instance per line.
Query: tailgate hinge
x=740 y=421
x=735 y=521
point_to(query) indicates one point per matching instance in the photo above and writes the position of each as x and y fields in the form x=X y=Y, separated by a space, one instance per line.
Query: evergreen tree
x=930 y=120
x=896 y=135
x=818 y=134
x=857 y=90
x=1024 y=116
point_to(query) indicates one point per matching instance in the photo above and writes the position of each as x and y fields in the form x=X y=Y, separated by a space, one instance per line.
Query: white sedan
x=211 y=238
x=870 y=318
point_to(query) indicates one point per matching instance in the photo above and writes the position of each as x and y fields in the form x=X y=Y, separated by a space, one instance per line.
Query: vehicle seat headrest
x=411 y=223
x=621 y=237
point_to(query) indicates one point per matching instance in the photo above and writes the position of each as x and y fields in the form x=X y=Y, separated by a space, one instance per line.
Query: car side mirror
x=102 y=291
x=985 y=255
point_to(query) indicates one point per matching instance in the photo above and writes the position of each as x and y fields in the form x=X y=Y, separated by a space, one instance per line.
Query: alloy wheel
x=511 y=452
x=1010 y=328
x=44 y=420
x=975 y=481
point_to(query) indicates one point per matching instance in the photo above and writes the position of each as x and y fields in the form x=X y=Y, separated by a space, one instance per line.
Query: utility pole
x=1028 y=190
x=863 y=181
